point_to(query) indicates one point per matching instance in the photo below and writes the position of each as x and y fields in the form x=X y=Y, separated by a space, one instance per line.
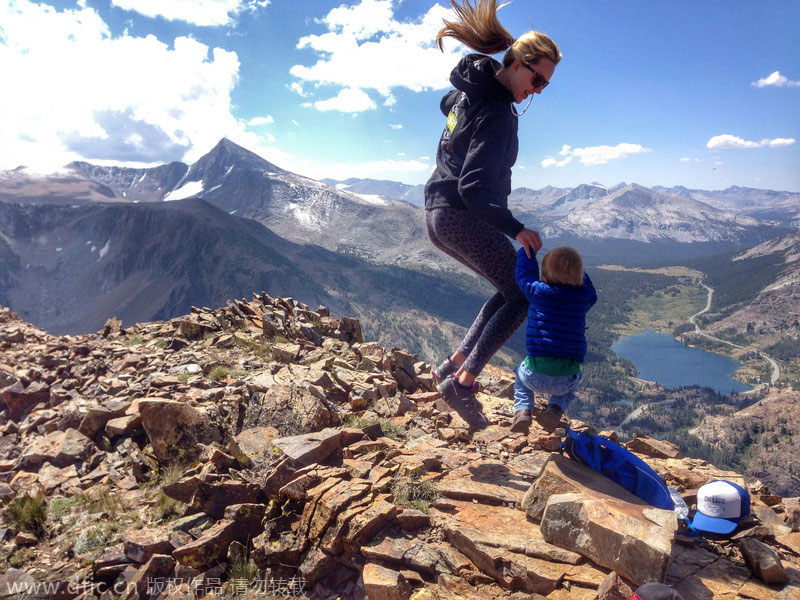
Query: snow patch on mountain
x=191 y=188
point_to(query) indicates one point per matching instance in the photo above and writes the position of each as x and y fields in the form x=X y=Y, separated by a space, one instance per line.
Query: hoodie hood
x=475 y=76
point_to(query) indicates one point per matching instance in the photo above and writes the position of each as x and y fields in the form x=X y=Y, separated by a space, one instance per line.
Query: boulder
x=562 y=475
x=141 y=544
x=293 y=409
x=20 y=400
x=763 y=561
x=214 y=498
x=648 y=446
x=150 y=578
x=175 y=429
x=242 y=522
x=501 y=527
x=614 y=587
x=632 y=539
x=382 y=583
x=96 y=417
x=59 y=448
x=254 y=445
x=310 y=448
x=414 y=554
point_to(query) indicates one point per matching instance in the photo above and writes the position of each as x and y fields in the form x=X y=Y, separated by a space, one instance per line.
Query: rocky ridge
x=266 y=448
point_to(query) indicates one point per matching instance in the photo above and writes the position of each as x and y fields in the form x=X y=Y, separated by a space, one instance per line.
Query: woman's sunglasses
x=538 y=81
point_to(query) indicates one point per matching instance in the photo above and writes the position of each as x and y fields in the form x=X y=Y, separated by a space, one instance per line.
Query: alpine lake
x=661 y=358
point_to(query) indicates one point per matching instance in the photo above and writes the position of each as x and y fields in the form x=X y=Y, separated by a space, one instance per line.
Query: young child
x=555 y=337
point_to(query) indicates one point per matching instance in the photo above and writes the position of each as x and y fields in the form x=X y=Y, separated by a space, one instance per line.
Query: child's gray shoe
x=550 y=418
x=463 y=401
x=522 y=421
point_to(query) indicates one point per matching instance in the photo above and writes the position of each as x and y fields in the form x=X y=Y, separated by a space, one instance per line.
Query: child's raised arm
x=588 y=286
x=526 y=272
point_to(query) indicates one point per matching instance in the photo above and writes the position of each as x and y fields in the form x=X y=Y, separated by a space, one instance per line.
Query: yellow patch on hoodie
x=452 y=121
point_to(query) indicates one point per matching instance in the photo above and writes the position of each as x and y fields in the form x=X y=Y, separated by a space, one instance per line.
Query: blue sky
x=652 y=92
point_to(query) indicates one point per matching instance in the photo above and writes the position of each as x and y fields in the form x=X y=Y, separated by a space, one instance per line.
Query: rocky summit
x=265 y=449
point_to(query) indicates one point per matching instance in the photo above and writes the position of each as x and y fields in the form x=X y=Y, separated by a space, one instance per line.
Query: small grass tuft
x=28 y=512
x=22 y=556
x=97 y=536
x=415 y=492
x=389 y=429
x=219 y=373
x=61 y=507
x=102 y=499
x=165 y=506
x=135 y=340
x=242 y=572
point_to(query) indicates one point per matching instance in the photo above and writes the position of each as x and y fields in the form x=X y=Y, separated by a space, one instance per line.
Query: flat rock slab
x=488 y=482
x=719 y=579
x=501 y=527
x=59 y=448
x=309 y=448
x=633 y=540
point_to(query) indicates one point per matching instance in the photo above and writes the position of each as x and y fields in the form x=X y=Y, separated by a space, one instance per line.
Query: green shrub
x=28 y=512
x=60 y=507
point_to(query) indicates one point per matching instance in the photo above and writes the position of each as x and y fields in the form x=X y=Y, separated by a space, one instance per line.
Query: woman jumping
x=466 y=198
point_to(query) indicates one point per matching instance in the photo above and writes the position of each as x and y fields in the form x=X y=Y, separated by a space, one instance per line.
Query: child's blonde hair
x=562 y=266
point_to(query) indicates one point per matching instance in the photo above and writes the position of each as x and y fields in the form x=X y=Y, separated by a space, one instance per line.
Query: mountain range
x=95 y=241
x=381 y=221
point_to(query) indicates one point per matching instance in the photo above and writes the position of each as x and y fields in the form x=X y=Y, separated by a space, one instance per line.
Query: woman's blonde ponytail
x=479 y=28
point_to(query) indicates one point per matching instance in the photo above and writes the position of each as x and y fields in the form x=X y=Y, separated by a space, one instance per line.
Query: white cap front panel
x=719 y=499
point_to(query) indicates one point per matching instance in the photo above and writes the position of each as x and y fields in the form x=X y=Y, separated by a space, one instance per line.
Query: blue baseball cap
x=721 y=505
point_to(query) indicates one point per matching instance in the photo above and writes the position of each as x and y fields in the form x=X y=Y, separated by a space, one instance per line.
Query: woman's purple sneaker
x=462 y=400
x=445 y=370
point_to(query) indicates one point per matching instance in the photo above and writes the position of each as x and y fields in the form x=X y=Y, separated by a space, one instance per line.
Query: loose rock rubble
x=265 y=449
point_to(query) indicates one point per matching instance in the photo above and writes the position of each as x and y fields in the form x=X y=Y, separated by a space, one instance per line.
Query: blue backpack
x=620 y=466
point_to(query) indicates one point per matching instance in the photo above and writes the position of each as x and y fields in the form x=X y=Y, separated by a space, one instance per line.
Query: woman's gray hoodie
x=478 y=146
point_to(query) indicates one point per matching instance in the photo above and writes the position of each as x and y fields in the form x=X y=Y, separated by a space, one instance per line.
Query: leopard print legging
x=491 y=255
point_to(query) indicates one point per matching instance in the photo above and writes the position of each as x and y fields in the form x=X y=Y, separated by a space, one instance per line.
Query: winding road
x=776 y=371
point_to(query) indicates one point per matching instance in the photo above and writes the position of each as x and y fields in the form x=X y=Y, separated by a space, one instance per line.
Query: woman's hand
x=530 y=240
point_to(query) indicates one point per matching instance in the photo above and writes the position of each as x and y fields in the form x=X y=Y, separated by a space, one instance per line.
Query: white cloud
x=196 y=12
x=256 y=121
x=552 y=162
x=777 y=80
x=351 y=100
x=599 y=155
x=685 y=160
x=398 y=126
x=727 y=140
x=365 y=47
x=89 y=95
x=298 y=89
x=594 y=155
